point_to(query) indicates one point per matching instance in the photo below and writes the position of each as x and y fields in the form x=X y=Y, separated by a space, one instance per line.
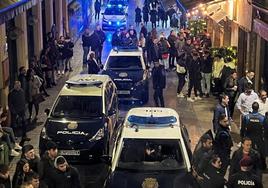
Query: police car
x=152 y=150
x=119 y=4
x=114 y=17
x=82 y=118
x=127 y=68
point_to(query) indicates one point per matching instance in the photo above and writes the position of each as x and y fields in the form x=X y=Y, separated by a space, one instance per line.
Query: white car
x=153 y=147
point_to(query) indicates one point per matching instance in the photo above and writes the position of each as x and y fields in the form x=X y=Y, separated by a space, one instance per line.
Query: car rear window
x=124 y=62
x=78 y=107
x=157 y=121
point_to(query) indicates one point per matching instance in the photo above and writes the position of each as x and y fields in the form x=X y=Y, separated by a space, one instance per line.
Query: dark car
x=127 y=69
x=82 y=118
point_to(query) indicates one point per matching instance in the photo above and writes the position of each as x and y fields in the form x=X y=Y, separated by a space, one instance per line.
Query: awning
x=11 y=8
x=218 y=16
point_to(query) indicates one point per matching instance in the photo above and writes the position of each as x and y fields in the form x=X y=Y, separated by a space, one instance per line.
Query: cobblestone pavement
x=196 y=116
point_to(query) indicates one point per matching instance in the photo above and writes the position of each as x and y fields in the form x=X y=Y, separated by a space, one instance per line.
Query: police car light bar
x=83 y=82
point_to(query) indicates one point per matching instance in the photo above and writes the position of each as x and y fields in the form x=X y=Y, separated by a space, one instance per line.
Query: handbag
x=181 y=69
x=164 y=56
x=38 y=98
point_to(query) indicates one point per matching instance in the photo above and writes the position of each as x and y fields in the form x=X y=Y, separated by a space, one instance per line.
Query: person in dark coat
x=22 y=169
x=145 y=12
x=16 y=104
x=46 y=165
x=64 y=175
x=22 y=78
x=97 y=6
x=223 y=142
x=116 y=38
x=193 y=67
x=143 y=30
x=153 y=18
x=93 y=66
x=101 y=37
x=221 y=108
x=28 y=154
x=212 y=176
x=243 y=82
x=172 y=50
x=245 y=150
x=230 y=88
x=5 y=176
x=159 y=83
x=245 y=177
x=137 y=16
x=164 y=19
x=86 y=39
x=69 y=45
x=33 y=178
x=206 y=71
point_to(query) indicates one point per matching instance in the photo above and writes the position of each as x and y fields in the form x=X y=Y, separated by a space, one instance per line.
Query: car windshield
x=151 y=155
x=114 y=11
x=78 y=107
x=124 y=62
x=157 y=121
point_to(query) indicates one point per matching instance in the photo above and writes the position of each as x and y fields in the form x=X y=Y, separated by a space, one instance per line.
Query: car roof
x=152 y=132
x=126 y=52
x=85 y=85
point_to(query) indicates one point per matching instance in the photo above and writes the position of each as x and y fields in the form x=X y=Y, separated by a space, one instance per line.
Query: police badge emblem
x=150 y=183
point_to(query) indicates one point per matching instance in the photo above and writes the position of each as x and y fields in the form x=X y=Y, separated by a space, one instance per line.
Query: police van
x=127 y=68
x=83 y=118
x=152 y=148
x=114 y=17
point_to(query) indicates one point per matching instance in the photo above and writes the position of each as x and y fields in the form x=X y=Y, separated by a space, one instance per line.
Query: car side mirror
x=107 y=159
x=47 y=110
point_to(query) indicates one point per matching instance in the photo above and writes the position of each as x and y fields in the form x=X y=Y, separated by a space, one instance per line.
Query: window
x=124 y=62
x=78 y=107
x=153 y=154
x=114 y=11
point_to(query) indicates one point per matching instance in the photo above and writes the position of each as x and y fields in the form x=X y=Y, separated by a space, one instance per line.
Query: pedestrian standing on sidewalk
x=62 y=55
x=159 y=83
x=230 y=89
x=143 y=30
x=145 y=12
x=206 y=72
x=93 y=66
x=137 y=16
x=193 y=67
x=245 y=150
x=86 y=45
x=29 y=155
x=163 y=47
x=97 y=6
x=16 y=104
x=69 y=45
x=221 y=108
x=22 y=169
x=252 y=126
x=172 y=50
x=243 y=82
x=22 y=77
x=101 y=37
x=216 y=73
x=223 y=142
x=153 y=17
x=181 y=73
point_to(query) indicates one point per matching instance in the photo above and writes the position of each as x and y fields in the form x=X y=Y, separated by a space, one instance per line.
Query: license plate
x=69 y=152
x=123 y=92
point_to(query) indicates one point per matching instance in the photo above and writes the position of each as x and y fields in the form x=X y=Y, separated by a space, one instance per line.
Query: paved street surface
x=196 y=116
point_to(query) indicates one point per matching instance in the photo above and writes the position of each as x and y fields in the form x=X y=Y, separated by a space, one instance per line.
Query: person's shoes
x=180 y=95
x=190 y=99
x=26 y=139
x=14 y=153
x=17 y=146
x=207 y=95
x=198 y=98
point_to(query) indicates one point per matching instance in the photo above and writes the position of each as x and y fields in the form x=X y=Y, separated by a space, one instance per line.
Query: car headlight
x=99 y=135
x=44 y=134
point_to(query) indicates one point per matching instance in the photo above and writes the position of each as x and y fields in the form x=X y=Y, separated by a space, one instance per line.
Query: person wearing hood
x=28 y=154
x=22 y=169
x=65 y=175
x=46 y=165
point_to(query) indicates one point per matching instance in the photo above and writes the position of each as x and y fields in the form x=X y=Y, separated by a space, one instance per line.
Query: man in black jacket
x=159 y=83
x=206 y=71
x=223 y=142
x=86 y=44
x=64 y=175
x=28 y=153
x=245 y=150
x=16 y=104
x=243 y=82
x=46 y=165
x=97 y=6
x=101 y=37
